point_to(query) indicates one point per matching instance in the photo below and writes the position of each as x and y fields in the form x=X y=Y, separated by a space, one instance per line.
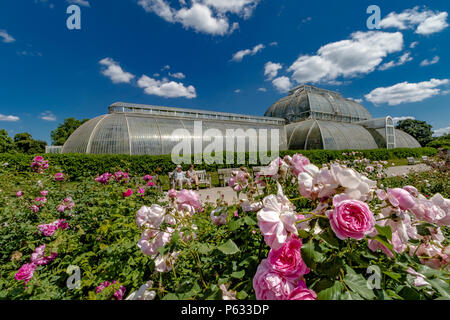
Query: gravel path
x=401 y=170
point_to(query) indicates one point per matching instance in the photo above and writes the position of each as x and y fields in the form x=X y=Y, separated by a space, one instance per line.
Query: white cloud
x=406 y=92
x=207 y=16
x=359 y=55
x=82 y=3
x=271 y=70
x=6 y=38
x=177 y=75
x=48 y=116
x=401 y=61
x=238 y=56
x=273 y=44
x=425 y=21
x=427 y=62
x=397 y=119
x=441 y=132
x=282 y=84
x=115 y=72
x=237 y=91
x=165 y=88
x=8 y=118
x=241 y=7
x=414 y=44
x=356 y=100
x=262 y=89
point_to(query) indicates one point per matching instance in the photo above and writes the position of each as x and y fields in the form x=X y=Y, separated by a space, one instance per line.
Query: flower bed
x=341 y=231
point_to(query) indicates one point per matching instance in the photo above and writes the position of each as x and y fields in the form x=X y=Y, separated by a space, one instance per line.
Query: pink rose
x=375 y=245
x=298 y=162
x=147 y=177
x=127 y=193
x=34 y=208
x=102 y=286
x=38 y=256
x=19 y=194
x=151 y=217
x=401 y=198
x=270 y=285
x=302 y=293
x=44 y=193
x=219 y=216
x=59 y=176
x=120 y=293
x=25 y=272
x=412 y=190
x=288 y=259
x=141 y=191
x=172 y=193
x=351 y=219
x=276 y=219
x=151 y=184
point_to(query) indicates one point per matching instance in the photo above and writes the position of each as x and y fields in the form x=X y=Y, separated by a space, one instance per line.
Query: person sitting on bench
x=179 y=177
x=192 y=175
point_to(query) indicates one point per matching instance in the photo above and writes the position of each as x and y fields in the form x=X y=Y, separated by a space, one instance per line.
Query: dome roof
x=306 y=102
x=137 y=133
x=329 y=135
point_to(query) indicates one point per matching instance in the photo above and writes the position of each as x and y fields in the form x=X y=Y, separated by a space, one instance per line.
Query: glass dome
x=310 y=102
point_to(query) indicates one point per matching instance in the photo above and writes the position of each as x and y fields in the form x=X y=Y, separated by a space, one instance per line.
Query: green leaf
x=384 y=241
x=170 y=296
x=331 y=293
x=423 y=230
x=241 y=295
x=204 y=248
x=358 y=284
x=441 y=286
x=249 y=221
x=330 y=238
x=312 y=253
x=233 y=225
x=228 y=247
x=384 y=231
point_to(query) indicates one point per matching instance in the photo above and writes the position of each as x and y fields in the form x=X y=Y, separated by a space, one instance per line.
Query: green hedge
x=78 y=166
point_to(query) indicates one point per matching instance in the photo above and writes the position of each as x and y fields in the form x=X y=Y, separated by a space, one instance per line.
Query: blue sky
x=223 y=55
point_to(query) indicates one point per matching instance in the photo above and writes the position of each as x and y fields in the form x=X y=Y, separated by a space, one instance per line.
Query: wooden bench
x=225 y=175
x=203 y=178
x=412 y=161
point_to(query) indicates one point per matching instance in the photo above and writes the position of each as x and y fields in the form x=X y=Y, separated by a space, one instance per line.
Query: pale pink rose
x=172 y=193
x=34 y=208
x=375 y=245
x=436 y=256
x=419 y=280
x=302 y=293
x=38 y=256
x=165 y=263
x=401 y=198
x=48 y=230
x=270 y=285
x=427 y=211
x=25 y=272
x=127 y=193
x=277 y=219
x=19 y=194
x=219 y=216
x=288 y=261
x=351 y=219
x=381 y=194
x=150 y=217
x=272 y=168
x=298 y=162
x=370 y=169
x=412 y=190
x=44 y=193
x=151 y=242
x=232 y=182
x=356 y=185
x=141 y=191
x=227 y=294
x=189 y=197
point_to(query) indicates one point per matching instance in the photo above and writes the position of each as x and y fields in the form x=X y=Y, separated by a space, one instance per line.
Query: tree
x=25 y=143
x=440 y=142
x=6 y=142
x=420 y=130
x=64 y=130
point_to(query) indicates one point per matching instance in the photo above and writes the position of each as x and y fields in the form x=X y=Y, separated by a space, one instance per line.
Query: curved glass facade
x=140 y=134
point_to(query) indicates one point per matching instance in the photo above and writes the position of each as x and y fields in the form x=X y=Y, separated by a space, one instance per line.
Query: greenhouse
x=309 y=118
